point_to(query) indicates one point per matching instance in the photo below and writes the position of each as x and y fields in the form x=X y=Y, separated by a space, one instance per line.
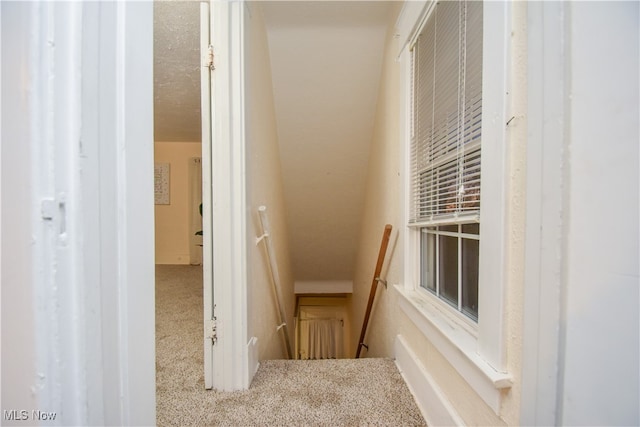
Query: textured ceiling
x=176 y=70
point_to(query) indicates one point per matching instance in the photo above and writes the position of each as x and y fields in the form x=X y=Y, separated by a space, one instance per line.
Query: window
x=446 y=91
x=458 y=67
x=449 y=265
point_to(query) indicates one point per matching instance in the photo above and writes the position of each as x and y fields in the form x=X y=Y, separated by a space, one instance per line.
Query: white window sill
x=457 y=345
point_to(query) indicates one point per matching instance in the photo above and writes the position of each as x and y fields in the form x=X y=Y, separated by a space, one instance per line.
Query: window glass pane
x=448 y=263
x=470 y=255
x=471 y=228
x=428 y=270
x=445 y=150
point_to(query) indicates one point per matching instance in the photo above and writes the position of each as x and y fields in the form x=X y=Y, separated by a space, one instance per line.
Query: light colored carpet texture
x=345 y=392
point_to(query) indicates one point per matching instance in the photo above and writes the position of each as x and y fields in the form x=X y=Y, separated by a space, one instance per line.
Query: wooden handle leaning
x=374 y=285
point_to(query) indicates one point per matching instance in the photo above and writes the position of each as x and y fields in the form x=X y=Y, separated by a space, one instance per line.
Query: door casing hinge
x=212 y=331
x=210 y=57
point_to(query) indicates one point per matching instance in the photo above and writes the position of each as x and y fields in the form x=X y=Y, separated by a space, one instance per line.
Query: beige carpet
x=283 y=393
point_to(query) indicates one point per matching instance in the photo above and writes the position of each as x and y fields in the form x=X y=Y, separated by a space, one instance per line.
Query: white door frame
x=207 y=242
x=547 y=121
x=88 y=273
x=116 y=246
x=230 y=360
x=84 y=97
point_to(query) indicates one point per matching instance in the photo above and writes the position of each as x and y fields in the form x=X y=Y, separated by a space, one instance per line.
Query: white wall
x=18 y=304
x=600 y=332
x=264 y=187
x=581 y=341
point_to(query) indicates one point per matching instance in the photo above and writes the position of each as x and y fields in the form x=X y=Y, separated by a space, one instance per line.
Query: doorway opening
x=178 y=200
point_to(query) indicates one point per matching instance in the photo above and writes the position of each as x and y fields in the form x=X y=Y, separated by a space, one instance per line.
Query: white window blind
x=447 y=115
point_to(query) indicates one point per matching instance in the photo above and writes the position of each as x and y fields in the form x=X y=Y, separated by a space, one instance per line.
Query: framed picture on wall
x=161 y=181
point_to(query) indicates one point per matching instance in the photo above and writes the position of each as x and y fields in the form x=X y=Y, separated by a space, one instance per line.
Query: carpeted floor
x=345 y=392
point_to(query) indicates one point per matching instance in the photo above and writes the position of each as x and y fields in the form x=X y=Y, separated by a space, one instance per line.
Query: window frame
x=460 y=236
x=476 y=351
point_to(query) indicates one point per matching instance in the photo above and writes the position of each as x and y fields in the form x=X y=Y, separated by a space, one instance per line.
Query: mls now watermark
x=24 y=415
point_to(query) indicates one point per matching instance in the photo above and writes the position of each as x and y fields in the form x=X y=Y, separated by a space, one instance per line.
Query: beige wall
x=172 y=220
x=384 y=205
x=264 y=188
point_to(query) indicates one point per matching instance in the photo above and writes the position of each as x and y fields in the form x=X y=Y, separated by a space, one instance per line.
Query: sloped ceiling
x=326 y=62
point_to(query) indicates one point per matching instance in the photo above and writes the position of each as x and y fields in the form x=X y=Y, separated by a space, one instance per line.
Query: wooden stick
x=374 y=285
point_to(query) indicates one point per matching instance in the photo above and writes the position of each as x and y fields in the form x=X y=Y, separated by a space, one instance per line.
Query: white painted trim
x=411 y=236
x=409 y=20
x=495 y=178
x=92 y=158
x=86 y=152
x=53 y=88
x=93 y=165
x=547 y=121
x=436 y=409
x=239 y=197
x=254 y=362
x=207 y=235
x=457 y=346
x=491 y=342
x=230 y=354
x=134 y=130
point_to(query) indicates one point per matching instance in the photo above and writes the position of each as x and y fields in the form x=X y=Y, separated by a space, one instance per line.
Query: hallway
x=283 y=392
x=551 y=326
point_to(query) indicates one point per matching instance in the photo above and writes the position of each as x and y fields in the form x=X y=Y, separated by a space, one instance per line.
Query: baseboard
x=173 y=259
x=435 y=407
x=253 y=357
